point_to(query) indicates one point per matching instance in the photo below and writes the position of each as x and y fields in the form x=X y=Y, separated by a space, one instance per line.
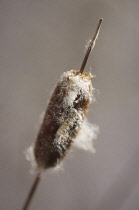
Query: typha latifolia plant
x=64 y=122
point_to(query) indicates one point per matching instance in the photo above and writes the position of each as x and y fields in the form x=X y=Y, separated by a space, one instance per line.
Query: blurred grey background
x=39 y=41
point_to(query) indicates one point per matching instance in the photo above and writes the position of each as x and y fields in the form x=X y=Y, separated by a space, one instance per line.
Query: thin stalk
x=91 y=46
x=31 y=192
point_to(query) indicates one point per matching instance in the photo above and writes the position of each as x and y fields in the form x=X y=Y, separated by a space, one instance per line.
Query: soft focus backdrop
x=39 y=40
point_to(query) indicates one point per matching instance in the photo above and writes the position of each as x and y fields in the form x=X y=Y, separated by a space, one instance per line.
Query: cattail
x=64 y=118
x=66 y=111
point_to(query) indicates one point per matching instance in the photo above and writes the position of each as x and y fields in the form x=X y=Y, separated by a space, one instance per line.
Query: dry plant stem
x=91 y=46
x=31 y=192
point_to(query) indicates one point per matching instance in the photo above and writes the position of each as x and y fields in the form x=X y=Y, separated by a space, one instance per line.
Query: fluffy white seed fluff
x=86 y=136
